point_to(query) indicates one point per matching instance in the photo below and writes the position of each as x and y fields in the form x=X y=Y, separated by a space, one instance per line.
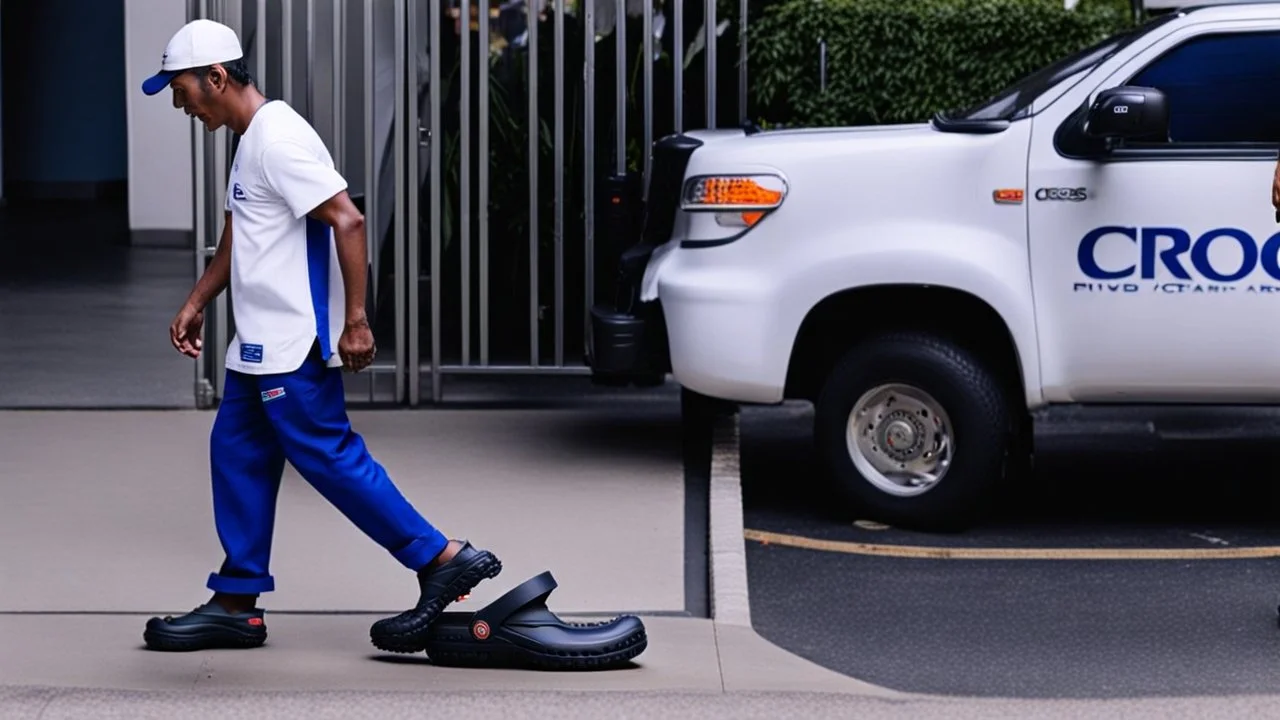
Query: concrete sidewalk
x=107 y=521
x=313 y=653
x=111 y=511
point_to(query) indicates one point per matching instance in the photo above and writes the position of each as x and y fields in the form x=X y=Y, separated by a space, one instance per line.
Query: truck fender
x=993 y=268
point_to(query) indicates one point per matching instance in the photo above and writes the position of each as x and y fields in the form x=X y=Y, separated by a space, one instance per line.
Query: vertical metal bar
x=309 y=70
x=822 y=65
x=200 y=215
x=339 y=85
x=710 y=34
x=286 y=50
x=589 y=154
x=373 y=221
x=558 y=72
x=437 y=189
x=216 y=147
x=678 y=63
x=534 y=10
x=620 y=89
x=219 y=147
x=464 y=172
x=742 y=61
x=238 y=16
x=200 y=222
x=260 y=40
x=400 y=190
x=412 y=135
x=484 y=181
x=648 y=92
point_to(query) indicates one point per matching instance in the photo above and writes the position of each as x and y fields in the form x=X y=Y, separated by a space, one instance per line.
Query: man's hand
x=184 y=331
x=356 y=347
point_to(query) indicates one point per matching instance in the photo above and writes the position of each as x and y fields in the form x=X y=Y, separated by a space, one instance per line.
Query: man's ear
x=218 y=77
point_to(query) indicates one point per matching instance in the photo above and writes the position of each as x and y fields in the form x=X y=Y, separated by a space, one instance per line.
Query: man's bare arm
x=341 y=214
x=217 y=276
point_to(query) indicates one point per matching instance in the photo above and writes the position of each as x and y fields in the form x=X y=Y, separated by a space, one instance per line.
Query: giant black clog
x=518 y=631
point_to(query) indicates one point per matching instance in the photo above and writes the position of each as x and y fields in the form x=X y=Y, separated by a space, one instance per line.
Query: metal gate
x=489 y=206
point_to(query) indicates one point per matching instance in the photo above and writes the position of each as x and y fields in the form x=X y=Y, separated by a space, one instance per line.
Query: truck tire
x=914 y=431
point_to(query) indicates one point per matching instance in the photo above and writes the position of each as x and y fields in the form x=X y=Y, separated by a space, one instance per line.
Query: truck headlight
x=738 y=201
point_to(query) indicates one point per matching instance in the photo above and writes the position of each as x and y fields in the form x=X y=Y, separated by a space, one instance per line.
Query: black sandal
x=407 y=632
x=207 y=627
x=518 y=631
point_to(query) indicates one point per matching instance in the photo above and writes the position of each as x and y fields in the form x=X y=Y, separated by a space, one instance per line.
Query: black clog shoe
x=208 y=626
x=407 y=632
x=518 y=631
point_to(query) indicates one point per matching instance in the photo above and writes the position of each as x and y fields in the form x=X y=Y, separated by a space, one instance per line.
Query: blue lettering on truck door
x=1161 y=252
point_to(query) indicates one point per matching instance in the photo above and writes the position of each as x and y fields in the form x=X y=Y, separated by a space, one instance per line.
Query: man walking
x=293 y=252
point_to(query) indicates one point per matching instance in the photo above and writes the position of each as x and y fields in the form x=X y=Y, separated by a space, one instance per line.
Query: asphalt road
x=1029 y=628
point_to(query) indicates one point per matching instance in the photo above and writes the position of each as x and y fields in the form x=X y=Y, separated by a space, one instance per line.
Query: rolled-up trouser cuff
x=240 y=586
x=418 y=553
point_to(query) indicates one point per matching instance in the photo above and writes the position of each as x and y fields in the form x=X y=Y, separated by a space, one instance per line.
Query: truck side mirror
x=1128 y=112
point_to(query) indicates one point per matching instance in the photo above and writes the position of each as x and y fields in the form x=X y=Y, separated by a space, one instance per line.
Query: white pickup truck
x=1098 y=237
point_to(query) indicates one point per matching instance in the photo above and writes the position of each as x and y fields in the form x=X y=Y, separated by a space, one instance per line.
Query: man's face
x=201 y=97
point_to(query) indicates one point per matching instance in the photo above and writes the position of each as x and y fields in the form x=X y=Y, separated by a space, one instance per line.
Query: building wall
x=159 y=137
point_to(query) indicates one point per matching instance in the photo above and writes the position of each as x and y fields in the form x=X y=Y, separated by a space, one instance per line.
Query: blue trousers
x=300 y=417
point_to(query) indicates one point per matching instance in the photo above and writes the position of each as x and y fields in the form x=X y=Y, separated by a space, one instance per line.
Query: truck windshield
x=1014 y=101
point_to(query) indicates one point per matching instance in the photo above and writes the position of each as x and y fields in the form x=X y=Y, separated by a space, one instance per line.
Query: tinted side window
x=1221 y=88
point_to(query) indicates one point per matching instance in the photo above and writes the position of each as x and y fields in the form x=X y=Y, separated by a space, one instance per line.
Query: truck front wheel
x=914 y=431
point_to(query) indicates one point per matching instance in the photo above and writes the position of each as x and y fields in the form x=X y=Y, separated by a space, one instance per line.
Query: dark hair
x=237 y=71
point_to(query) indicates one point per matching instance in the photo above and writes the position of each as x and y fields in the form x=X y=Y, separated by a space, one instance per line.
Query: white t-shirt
x=286 y=284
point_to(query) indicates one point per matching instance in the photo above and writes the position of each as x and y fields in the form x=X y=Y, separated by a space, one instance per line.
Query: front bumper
x=628 y=348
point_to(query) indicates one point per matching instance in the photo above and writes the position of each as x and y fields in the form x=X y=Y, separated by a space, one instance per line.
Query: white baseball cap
x=197 y=44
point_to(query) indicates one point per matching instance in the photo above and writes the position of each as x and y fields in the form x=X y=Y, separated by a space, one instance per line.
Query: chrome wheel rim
x=900 y=439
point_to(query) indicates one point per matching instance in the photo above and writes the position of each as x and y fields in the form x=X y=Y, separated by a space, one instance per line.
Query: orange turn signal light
x=737 y=200
x=1008 y=196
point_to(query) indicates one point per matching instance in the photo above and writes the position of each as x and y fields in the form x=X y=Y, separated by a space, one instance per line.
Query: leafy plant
x=890 y=61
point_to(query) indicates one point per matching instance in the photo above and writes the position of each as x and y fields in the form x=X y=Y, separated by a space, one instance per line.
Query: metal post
x=437 y=179
x=401 y=222
x=648 y=93
x=589 y=154
x=620 y=89
x=678 y=62
x=534 y=9
x=373 y=221
x=484 y=182
x=822 y=65
x=742 y=61
x=260 y=40
x=412 y=138
x=200 y=219
x=464 y=172
x=710 y=35
x=309 y=8
x=217 y=148
x=339 y=73
x=558 y=67
x=286 y=50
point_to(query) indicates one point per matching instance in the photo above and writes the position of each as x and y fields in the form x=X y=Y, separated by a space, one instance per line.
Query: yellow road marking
x=946 y=553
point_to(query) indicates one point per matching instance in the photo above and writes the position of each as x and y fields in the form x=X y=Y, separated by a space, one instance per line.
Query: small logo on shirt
x=270 y=395
x=237 y=192
x=251 y=353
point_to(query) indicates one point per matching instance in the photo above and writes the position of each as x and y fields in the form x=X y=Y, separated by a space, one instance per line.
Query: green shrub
x=894 y=61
